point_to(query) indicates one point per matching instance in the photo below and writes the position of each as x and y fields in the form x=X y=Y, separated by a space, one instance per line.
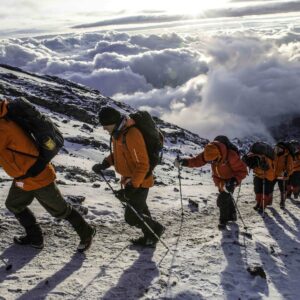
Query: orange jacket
x=268 y=174
x=296 y=163
x=130 y=157
x=283 y=165
x=15 y=164
x=230 y=165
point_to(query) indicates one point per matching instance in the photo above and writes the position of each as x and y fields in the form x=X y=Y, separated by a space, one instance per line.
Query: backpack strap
x=35 y=169
x=149 y=173
x=22 y=153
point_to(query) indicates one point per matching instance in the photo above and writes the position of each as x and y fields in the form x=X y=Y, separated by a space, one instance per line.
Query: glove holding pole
x=98 y=168
x=178 y=163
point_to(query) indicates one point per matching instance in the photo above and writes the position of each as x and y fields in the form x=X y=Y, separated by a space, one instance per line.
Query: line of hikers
x=133 y=154
x=280 y=164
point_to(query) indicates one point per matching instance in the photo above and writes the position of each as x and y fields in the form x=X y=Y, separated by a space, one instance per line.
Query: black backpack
x=46 y=136
x=295 y=147
x=153 y=137
x=292 y=147
x=262 y=148
x=225 y=140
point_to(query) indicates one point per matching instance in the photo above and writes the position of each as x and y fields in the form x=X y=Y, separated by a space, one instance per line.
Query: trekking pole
x=284 y=191
x=7 y=265
x=180 y=190
x=263 y=190
x=238 y=195
x=237 y=209
x=135 y=212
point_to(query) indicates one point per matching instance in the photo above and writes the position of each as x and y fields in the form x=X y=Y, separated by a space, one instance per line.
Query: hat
x=109 y=116
x=211 y=152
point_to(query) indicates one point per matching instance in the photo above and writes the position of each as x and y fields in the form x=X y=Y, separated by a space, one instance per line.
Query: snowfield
x=203 y=263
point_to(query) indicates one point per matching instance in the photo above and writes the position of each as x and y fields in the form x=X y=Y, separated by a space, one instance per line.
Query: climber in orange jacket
x=17 y=154
x=294 y=180
x=264 y=174
x=130 y=159
x=228 y=171
x=284 y=167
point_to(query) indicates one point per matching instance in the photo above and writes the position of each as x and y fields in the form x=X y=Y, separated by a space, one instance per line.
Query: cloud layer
x=234 y=81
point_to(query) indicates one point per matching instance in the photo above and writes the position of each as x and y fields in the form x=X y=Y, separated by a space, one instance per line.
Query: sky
x=30 y=17
x=50 y=15
x=230 y=67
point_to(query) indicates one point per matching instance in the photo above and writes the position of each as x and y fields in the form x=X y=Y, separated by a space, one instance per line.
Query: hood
x=223 y=150
x=3 y=108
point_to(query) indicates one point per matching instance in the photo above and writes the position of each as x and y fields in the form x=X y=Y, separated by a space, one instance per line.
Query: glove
x=230 y=185
x=264 y=165
x=120 y=194
x=97 y=168
x=180 y=162
x=251 y=161
x=126 y=194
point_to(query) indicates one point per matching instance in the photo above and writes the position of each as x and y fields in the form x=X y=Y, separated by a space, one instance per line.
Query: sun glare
x=168 y=6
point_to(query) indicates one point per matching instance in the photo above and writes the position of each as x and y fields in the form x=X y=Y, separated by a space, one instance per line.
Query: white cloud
x=237 y=83
x=17 y=55
x=167 y=99
x=110 y=81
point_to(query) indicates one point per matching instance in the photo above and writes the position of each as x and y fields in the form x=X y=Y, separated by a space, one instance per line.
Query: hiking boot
x=159 y=231
x=233 y=217
x=296 y=195
x=282 y=202
x=221 y=226
x=34 y=234
x=143 y=241
x=85 y=231
x=26 y=240
x=138 y=241
x=256 y=207
x=86 y=243
x=289 y=195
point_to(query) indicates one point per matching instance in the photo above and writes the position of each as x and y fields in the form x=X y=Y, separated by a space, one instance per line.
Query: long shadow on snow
x=235 y=279
x=18 y=256
x=42 y=290
x=135 y=280
x=186 y=295
x=282 y=267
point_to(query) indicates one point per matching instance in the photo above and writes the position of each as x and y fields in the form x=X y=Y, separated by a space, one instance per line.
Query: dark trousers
x=263 y=189
x=282 y=184
x=226 y=206
x=49 y=197
x=294 y=184
x=263 y=186
x=138 y=202
x=283 y=187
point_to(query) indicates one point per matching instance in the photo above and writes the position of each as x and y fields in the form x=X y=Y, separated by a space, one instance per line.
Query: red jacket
x=230 y=165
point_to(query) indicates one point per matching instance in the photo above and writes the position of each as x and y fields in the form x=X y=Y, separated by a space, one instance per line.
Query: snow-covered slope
x=202 y=263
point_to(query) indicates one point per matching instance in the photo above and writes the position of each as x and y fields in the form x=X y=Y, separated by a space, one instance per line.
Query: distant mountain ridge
x=77 y=101
x=83 y=103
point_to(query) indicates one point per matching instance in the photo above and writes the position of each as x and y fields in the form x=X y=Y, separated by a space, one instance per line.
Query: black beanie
x=109 y=116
